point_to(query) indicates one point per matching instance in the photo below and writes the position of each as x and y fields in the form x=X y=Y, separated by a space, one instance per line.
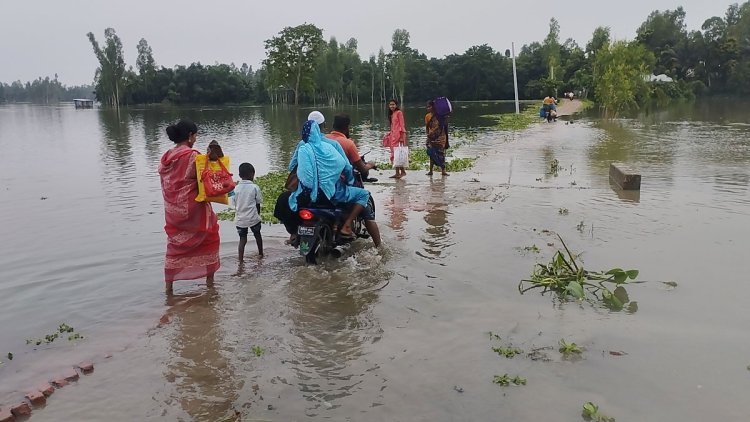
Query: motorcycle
x=317 y=234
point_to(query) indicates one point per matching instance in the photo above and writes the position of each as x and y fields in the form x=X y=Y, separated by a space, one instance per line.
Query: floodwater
x=399 y=334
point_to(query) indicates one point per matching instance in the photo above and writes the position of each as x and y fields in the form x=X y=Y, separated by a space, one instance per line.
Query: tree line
x=301 y=67
x=43 y=91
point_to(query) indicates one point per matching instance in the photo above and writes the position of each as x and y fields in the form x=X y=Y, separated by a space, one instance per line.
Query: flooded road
x=398 y=334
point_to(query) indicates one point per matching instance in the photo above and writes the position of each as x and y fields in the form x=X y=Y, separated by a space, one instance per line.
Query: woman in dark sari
x=437 y=138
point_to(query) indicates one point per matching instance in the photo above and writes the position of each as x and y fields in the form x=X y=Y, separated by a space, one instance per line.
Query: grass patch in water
x=513 y=121
x=586 y=105
x=419 y=160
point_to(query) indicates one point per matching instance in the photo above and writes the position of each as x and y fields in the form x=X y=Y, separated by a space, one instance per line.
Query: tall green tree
x=146 y=65
x=619 y=70
x=110 y=74
x=382 y=65
x=292 y=56
x=400 y=52
x=665 y=34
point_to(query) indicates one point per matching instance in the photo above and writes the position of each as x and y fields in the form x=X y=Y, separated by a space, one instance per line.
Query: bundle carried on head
x=442 y=106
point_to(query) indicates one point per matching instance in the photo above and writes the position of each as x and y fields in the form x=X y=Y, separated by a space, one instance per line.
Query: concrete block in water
x=86 y=367
x=36 y=398
x=6 y=416
x=625 y=177
x=46 y=388
x=21 y=409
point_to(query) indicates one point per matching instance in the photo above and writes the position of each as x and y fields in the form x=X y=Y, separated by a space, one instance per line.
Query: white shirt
x=245 y=200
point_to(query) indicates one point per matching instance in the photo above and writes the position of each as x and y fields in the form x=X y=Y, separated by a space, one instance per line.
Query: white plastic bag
x=401 y=156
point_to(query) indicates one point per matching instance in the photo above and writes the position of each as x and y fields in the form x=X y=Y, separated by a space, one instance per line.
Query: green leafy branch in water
x=505 y=380
x=591 y=413
x=567 y=277
x=257 y=351
x=61 y=330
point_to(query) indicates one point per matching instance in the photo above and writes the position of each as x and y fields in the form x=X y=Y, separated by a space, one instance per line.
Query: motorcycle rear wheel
x=322 y=246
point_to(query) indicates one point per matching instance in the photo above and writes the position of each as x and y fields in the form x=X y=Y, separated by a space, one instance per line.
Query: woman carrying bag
x=396 y=140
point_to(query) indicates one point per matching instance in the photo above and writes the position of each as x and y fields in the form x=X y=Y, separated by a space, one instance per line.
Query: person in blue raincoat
x=320 y=167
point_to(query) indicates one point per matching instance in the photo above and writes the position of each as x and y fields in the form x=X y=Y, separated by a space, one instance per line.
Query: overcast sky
x=44 y=37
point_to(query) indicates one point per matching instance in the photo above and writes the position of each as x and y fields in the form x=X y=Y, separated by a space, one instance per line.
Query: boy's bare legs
x=241 y=248
x=258 y=239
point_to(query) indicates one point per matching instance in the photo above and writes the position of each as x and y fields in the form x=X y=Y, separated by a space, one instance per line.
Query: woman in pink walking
x=397 y=136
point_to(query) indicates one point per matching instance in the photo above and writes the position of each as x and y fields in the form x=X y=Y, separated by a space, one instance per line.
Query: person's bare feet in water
x=445 y=173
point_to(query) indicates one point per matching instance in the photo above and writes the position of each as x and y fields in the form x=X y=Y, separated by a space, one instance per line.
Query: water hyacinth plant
x=567 y=277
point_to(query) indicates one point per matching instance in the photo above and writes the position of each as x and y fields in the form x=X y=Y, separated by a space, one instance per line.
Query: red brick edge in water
x=37 y=397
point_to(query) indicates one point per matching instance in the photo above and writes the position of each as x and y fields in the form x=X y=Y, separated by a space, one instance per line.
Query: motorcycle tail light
x=306 y=215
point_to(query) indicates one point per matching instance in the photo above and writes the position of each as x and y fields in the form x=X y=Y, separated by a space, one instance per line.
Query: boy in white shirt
x=246 y=201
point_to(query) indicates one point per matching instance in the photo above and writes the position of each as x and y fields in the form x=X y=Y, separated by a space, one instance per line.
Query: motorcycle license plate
x=305 y=231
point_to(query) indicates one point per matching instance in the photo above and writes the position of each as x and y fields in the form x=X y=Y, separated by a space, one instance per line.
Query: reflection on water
x=398 y=206
x=332 y=321
x=437 y=237
x=203 y=378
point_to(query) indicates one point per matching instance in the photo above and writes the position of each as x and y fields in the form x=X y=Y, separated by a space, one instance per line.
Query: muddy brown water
x=399 y=334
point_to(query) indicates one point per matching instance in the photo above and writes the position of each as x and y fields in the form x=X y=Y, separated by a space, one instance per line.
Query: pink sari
x=192 y=227
x=397 y=128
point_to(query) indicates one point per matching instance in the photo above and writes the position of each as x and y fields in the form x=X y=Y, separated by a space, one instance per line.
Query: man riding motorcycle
x=340 y=134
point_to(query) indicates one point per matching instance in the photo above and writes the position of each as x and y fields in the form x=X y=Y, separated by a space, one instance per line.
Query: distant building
x=83 y=103
x=658 y=78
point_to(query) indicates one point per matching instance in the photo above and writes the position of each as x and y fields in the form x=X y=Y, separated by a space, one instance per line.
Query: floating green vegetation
x=568 y=349
x=494 y=336
x=460 y=164
x=567 y=277
x=257 y=351
x=580 y=226
x=531 y=249
x=49 y=338
x=563 y=211
x=419 y=160
x=505 y=380
x=554 y=167
x=271 y=186
x=512 y=121
x=591 y=413
x=508 y=352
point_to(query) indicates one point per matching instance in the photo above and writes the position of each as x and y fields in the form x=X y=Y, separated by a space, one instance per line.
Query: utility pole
x=515 y=78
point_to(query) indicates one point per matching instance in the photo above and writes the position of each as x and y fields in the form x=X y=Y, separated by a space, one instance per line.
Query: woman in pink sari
x=192 y=227
x=397 y=135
